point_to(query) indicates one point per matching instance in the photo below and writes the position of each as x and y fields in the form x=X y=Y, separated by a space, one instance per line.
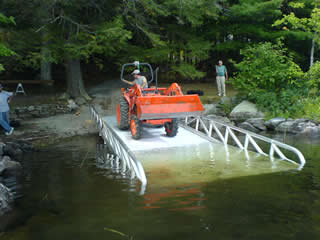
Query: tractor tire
x=135 y=127
x=123 y=113
x=171 y=128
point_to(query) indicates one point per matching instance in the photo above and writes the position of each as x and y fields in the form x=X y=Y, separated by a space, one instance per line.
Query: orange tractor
x=155 y=106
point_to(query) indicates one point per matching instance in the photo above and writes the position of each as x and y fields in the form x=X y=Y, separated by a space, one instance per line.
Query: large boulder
x=13 y=150
x=257 y=123
x=244 y=111
x=214 y=109
x=2 y=146
x=274 y=122
x=72 y=105
x=220 y=119
x=226 y=100
x=312 y=132
x=295 y=126
x=5 y=199
x=249 y=127
x=9 y=168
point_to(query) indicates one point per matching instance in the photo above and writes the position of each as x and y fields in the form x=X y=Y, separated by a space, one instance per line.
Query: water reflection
x=184 y=198
x=188 y=197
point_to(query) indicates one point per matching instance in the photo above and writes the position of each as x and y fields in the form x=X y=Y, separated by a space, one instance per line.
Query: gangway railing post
x=122 y=152
x=212 y=129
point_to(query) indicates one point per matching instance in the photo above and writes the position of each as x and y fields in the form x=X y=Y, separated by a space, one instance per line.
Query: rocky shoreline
x=70 y=118
x=246 y=116
x=11 y=155
x=36 y=125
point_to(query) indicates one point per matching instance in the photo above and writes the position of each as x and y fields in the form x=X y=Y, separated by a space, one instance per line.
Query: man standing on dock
x=222 y=76
x=5 y=98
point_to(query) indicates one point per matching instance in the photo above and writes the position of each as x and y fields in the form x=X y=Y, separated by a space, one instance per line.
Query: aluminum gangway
x=194 y=130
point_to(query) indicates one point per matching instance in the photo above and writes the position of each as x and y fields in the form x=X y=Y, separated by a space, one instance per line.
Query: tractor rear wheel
x=123 y=113
x=171 y=128
x=136 y=127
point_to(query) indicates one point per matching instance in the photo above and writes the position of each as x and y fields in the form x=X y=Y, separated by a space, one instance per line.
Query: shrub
x=312 y=108
x=266 y=67
x=269 y=77
x=313 y=75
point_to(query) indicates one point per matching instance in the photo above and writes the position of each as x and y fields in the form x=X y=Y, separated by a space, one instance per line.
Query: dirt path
x=105 y=97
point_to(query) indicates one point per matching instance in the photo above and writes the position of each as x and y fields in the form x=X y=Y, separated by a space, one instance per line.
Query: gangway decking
x=193 y=131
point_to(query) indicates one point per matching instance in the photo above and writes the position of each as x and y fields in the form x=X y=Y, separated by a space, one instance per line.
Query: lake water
x=69 y=195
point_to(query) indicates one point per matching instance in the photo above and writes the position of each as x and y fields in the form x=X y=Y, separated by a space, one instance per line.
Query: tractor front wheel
x=171 y=128
x=136 y=127
x=123 y=113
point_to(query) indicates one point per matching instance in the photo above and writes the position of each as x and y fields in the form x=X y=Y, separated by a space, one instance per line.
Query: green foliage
x=261 y=10
x=193 y=12
x=313 y=75
x=4 y=19
x=310 y=25
x=287 y=103
x=188 y=71
x=266 y=67
x=268 y=76
x=312 y=108
x=107 y=39
x=4 y=50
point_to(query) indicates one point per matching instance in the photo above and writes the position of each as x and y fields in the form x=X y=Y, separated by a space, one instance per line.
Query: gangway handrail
x=194 y=123
x=128 y=159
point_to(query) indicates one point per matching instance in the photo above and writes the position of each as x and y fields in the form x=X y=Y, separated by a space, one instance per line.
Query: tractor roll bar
x=135 y=64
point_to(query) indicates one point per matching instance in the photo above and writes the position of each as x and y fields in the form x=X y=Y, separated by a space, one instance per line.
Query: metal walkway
x=196 y=136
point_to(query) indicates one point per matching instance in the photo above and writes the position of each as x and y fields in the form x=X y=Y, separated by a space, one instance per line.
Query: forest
x=270 y=47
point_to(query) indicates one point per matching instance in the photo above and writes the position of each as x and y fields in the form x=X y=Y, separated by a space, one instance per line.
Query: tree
x=268 y=76
x=170 y=33
x=242 y=23
x=4 y=50
x=310 y=25
x=77 y=30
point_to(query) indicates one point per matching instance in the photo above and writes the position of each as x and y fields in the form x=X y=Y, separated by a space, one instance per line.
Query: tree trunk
x=74 y=79
x=312 y=51
x=46 y=73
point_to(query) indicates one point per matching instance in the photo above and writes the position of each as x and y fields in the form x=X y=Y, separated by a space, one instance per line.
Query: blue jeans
x=4 y=121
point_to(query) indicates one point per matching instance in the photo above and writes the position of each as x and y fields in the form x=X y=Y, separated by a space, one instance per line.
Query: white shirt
x=4 y=95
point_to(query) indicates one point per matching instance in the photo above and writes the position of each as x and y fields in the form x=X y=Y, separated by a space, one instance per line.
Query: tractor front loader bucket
x=161 y=107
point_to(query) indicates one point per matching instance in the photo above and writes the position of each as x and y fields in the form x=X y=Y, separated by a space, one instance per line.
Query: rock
x=9 y=168
x=219 y=119
x=64 y=96
x=294 y=126
x=36 y=114
x=245 y=110
x=5 y=199
x=249 y=127
x=72 y=105
x=2 y=145
x=80 y=101
x=226 y=101
x=44 y=113
x=210 y=109
x=13 y=150
x=312 y=132
x=274 y=122
x=31 y=108
x=214 y=108
x=285 y=126
x=257 y=123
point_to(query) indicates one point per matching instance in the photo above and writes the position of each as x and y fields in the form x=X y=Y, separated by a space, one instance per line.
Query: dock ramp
x=203 y=150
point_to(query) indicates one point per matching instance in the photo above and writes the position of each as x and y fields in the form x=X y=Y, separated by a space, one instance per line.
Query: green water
x=68 y=196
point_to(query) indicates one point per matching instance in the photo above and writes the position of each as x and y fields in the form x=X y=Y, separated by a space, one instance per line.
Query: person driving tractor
x=139 y=79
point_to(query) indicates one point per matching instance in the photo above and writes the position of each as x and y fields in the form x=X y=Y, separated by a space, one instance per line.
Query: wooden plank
x=26 y=81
